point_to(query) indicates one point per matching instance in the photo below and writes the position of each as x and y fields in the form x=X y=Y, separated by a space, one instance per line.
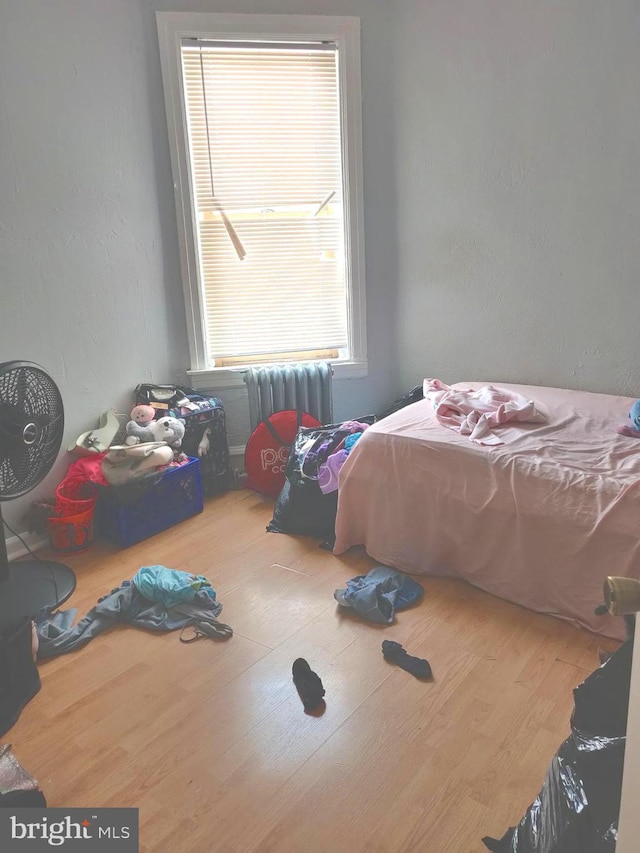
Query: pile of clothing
x=156 y=598
x=308 y=501
x=322 y=456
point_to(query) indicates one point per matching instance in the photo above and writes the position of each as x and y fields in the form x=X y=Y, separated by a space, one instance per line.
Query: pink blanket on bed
x=540 y=519
x=474 y=413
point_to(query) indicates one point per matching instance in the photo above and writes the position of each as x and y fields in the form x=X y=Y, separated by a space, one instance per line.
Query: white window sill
x=225 y=379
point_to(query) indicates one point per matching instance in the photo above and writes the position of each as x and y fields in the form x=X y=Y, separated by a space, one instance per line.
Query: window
x=264 y=126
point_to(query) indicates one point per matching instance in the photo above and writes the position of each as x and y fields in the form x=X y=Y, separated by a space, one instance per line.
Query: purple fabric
x=322 y=448
x=329 y=470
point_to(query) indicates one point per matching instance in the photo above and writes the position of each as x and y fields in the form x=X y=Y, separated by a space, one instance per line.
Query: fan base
x=32 y=585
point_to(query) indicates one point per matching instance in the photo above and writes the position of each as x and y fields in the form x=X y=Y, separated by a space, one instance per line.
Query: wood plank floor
x=210 y=740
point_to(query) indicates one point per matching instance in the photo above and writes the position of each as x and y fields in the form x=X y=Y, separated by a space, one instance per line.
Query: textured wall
x=89 y=267
x=87 y=255
x=517 y=179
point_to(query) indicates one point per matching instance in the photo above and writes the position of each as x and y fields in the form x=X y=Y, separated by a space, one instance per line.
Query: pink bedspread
x=539 y=520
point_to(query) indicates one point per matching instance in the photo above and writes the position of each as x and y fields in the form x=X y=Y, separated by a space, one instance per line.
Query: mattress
x=539 y=520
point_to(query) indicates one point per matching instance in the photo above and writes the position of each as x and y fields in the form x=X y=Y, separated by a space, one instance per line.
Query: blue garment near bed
x=378 y=594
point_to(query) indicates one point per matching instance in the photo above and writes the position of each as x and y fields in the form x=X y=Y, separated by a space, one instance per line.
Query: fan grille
x=31 y=427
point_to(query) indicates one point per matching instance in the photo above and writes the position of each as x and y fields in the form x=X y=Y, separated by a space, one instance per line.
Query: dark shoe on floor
x=308 y=685
x=395 y=653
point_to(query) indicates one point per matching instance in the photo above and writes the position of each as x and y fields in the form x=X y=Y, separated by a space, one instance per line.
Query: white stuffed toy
x=168 y=429
x=138 y=427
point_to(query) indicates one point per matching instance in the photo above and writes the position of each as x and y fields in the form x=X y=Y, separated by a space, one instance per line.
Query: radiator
x=303 y=387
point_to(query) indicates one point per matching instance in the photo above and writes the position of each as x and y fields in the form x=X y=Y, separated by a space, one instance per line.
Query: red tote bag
x=267 y=451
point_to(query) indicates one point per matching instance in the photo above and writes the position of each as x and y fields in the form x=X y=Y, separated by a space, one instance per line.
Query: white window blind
x=266 y=172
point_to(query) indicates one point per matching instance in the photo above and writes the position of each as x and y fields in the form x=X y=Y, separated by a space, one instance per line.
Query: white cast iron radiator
x=303 y=387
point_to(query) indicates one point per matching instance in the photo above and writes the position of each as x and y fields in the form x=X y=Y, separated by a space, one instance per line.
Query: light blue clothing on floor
x=377 y=595
x=58 y=635
x=170 y=586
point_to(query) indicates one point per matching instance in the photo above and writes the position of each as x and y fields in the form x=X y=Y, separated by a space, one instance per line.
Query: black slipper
x=308 y=684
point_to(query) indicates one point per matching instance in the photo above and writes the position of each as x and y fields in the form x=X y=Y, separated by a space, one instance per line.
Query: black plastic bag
x=301 y=507
x=406 y=400
x=577 y=809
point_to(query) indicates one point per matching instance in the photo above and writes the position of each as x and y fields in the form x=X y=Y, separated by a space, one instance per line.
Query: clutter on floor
x=128 y=490
x=303 y=507
x=308 y=684
x=132 y=513
x=395 y=653
x=205 y=438
x=268 y=448
x=18 y=788
x=378 y=594
x=124 y=464
x=577 y=809
x=155 y=479
x=156 y=599
x=308 y=498
x=19 y=677
x=212 y=630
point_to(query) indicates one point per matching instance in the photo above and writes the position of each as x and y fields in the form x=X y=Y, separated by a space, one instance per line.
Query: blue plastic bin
x=177 y=496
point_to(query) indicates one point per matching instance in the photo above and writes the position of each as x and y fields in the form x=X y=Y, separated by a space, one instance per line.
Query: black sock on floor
x=308 y=684
x=394 y=653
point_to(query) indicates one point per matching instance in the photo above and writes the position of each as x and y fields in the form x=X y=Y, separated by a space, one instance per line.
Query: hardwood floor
x=210 y=740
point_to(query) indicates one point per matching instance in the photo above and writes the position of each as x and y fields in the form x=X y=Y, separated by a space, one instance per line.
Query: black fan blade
x=31 y=426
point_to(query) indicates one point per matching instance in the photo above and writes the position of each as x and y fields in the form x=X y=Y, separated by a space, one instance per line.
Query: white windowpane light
x=267 y=188
x=264 y=138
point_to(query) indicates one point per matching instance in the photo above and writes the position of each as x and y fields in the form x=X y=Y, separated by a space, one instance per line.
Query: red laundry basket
x=74 y=497
x=71 y=533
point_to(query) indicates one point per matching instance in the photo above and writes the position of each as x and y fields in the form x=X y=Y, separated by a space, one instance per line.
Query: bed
x=539 y=520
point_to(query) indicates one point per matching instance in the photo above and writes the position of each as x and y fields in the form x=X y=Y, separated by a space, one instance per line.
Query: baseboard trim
x=236 y=453
x=16 y=549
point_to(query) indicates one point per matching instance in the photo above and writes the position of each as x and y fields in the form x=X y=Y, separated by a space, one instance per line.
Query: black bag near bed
x=577 y=809
x=406 y=400
x=301 y=507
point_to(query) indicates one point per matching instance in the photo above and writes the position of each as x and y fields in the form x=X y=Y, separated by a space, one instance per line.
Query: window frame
x=173 y=27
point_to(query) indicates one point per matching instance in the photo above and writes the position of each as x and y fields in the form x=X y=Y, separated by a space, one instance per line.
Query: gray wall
x=89 y=269
x=517 y=178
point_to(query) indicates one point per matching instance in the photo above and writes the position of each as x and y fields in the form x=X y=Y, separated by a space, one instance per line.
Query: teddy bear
x=138 y=429
x=168 y=429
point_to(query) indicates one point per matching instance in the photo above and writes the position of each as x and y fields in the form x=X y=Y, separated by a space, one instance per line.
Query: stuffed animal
x=138 y=427
x=168 y=429
x=632 y=427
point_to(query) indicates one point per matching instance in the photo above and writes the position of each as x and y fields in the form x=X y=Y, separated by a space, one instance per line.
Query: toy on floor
x=632 y=427
x=138 y=428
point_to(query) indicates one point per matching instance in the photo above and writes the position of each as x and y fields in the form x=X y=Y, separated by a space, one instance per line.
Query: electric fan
x=31 y=425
